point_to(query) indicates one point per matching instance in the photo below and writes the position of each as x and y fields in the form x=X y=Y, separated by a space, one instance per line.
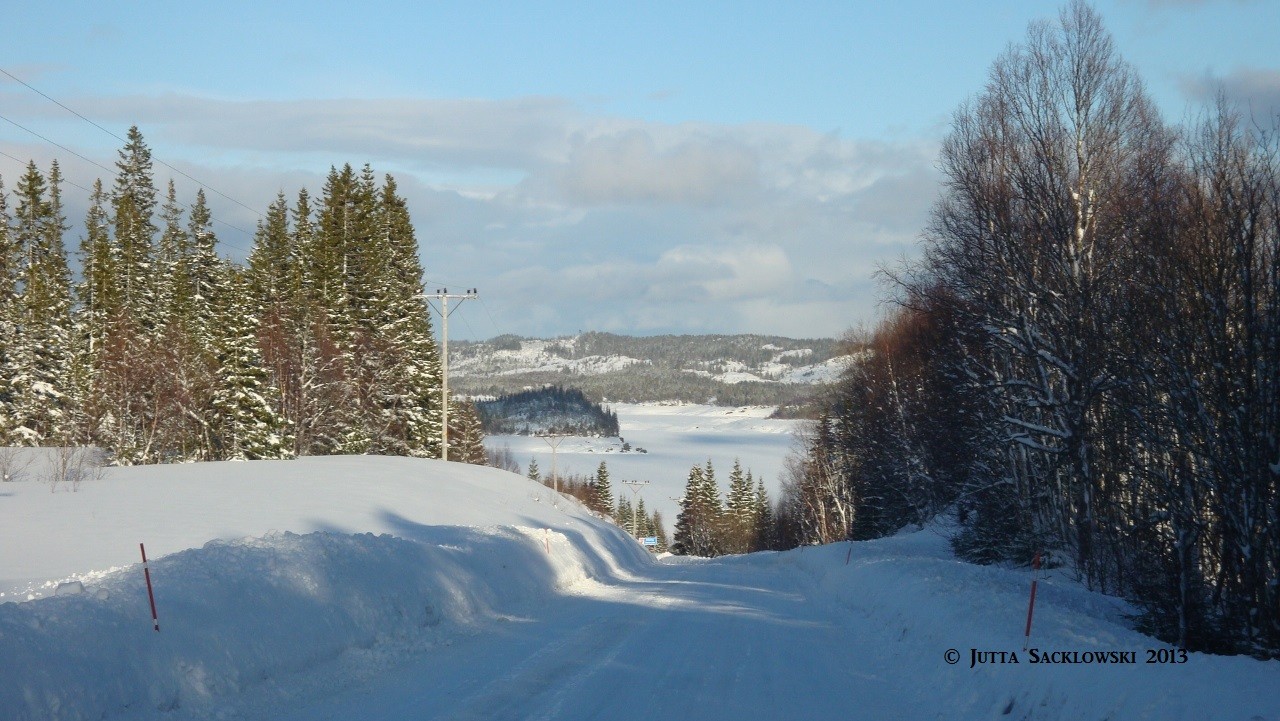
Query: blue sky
x=631 y=167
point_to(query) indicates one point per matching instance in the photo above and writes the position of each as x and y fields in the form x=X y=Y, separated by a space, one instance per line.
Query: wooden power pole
x=443 y=296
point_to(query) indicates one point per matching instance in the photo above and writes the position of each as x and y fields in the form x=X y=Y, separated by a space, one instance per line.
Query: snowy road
x=397 y=589
x=705 y=641
x=800 y=635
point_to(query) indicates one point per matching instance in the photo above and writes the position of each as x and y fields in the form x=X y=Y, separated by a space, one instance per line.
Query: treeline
x=1088 y=360
x=552 y=409
x=644 y=383
x=686 y=351
x=707 y=526
x=674 y=351
x=671 y=368
x=596 y=493
x=165 y=351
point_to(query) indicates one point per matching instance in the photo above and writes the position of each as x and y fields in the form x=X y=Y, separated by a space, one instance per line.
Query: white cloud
x=1257 y=90
x=629 y=167
x=567 y=220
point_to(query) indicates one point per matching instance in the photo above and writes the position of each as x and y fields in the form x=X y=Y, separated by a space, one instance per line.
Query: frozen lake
x=676 y=437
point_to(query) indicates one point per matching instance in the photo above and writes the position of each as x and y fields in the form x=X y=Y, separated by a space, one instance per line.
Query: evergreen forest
x=669 y=367
x=546 y=410
x=165 y=351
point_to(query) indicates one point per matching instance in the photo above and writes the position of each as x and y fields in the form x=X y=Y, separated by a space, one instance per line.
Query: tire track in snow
x=536 y=688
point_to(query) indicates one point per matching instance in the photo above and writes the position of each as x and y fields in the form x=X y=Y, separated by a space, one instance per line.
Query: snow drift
x=239 y=613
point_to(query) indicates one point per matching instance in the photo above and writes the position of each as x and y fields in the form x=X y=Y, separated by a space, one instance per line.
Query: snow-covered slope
x=294 y=579
x=560 y=356
x=736 y=370
x=536 y=356
x=479 y=598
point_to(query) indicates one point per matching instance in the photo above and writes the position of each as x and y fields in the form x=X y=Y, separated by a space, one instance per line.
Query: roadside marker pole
x=1031 y=607
x=849 y=555
x=547 y=539
x=151 y=596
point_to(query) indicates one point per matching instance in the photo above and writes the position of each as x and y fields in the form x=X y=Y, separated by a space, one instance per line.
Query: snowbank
x=907 y=600
x=240 y=613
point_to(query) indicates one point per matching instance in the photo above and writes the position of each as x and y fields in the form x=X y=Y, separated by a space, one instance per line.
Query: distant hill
x=731 y=370
x=546 y=410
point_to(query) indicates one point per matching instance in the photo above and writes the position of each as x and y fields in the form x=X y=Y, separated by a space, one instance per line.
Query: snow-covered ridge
x=773 y=371
x=538 y=356
x=560 y=355
x=292 y=579
x=692 y=369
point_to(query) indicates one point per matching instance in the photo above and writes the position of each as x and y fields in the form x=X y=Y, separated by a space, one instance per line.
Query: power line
x=123 y=140
x=72 y=183
x=109 y=170
x=56 y=145
x=492 y=322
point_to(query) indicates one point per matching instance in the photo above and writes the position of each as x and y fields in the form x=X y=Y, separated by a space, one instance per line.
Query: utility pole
x=553 y=440
x=443 y=296
x=635 y=504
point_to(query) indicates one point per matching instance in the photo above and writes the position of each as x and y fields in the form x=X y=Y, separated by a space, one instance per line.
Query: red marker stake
x=1035 y=568
x=151 y=596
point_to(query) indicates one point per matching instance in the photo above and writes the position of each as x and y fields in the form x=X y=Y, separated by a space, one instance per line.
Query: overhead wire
x=56 y=144
x=123 y=140
x=492 y=322
x=158 y=160
x=20 y=161
x=96 y=164
x=236 y=245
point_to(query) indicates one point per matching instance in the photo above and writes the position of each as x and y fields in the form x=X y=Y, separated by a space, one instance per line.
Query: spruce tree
x=347 y=426
x=99 y=259
x=332 y=256
x=763 y=536
x=643 y=524
x=98 y=300
x=695 y=532
x=9 y=255
x=15 y=345
x=660 y=530
x=207 y=272
x=42 y=350
x=409 y=363
x=247 y=426
x=133 y=200
x=708 y=540
x=9 y=252
x=312 y=375
x=127 y=363
x=169 y=260
x=534 y=473
x=273 y=297
x=466 y=436
x=625 y=515
x=739 y=518
x=270 y=271
x=302 y=241
x=602 y=491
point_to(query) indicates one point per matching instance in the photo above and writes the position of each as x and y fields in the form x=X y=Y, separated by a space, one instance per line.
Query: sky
x=638 y=168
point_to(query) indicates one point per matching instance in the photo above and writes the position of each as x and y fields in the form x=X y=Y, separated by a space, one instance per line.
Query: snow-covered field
x=675 y=436
x=481 y=598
